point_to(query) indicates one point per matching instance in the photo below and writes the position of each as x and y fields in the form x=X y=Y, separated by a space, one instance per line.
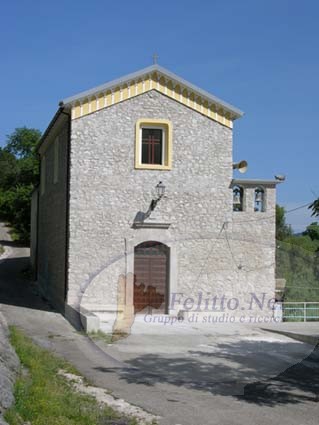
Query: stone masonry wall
x=52 y=221
x=106 y=193
x=254 y=245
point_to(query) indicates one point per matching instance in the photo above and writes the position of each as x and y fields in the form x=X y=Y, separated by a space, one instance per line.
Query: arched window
x=259 y=200
x=238 y=198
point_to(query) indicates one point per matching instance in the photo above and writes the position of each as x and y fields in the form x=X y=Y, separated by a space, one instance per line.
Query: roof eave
x=62 y=109
x=254 y=182
x=237 y=113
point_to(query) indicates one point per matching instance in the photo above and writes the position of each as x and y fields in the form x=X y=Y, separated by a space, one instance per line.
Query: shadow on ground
x=232 y=372
x=15 y=288
x=237 y=369
x=13 y=244
x=299 y=383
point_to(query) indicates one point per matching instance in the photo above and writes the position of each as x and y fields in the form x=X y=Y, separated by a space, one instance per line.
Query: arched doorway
x=151 y=277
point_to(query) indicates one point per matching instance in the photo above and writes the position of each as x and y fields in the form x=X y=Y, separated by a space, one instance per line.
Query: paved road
x=224 y=376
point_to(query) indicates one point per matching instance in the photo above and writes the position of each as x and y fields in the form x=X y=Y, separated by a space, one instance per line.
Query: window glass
x=152 y=146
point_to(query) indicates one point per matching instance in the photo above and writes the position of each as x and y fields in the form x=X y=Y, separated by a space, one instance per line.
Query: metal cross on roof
x=155 y=58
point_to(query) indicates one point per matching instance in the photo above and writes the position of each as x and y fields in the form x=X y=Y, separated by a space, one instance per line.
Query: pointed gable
x=152 y=78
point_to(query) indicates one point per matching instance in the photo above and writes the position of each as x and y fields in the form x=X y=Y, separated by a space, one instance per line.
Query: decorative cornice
x=153 y=78
x=254 y=182
x=150 y=225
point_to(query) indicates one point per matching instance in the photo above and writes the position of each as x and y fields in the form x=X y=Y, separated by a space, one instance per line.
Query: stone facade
x=254 y=245
x=213 y=250
x=86 y=224
x=52 y=210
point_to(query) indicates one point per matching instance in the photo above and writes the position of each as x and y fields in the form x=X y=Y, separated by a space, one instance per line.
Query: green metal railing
x=300 y=311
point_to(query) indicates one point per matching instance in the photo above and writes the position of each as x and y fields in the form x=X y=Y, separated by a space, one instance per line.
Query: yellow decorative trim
x=158 y=82
x=147 y=85
x=170 y=89
x=139 y=87
x=76 y=110
x=205 y=107
x=167 y=126
x=93 y=105
x=124 y=92
x=100 y=103
x=116 y=95
x=85 y=107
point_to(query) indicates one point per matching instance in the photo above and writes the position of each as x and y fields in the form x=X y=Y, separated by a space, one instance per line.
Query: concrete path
x=301 y=331
x=197 y=376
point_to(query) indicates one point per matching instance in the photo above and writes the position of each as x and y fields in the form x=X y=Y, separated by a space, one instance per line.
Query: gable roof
x=157 y=78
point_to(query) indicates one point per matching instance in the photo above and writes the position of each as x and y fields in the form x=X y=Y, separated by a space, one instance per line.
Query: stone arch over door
x=151 y=277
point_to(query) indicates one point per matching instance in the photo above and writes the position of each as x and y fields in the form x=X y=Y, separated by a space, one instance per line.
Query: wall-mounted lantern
x=160 y=191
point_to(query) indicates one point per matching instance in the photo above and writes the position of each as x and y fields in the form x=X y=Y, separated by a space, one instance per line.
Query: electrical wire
x=273 y=215
x=239 y=266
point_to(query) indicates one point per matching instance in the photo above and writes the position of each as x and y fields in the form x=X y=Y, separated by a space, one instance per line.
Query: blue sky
x=261 y=56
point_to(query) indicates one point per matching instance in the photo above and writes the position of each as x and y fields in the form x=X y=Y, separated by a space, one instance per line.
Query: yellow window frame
x=166 y=125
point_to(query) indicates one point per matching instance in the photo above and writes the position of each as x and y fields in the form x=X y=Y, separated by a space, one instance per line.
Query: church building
x=137 y=186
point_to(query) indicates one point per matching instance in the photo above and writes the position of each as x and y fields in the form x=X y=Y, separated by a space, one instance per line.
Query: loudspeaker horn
x=240 y=166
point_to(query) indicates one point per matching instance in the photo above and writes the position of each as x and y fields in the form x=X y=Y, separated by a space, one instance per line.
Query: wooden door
x=151 y=277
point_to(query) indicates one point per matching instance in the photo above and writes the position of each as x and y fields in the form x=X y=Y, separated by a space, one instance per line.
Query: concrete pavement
x=301 y=331
x=222 y=375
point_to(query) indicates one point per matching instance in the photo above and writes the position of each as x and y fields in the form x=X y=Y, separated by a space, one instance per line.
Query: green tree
x=312 y=231
x=283 y=230
x=19 y=173
x=297 y=261
x=22 y=142
x=8 y=169
x=315 y=208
